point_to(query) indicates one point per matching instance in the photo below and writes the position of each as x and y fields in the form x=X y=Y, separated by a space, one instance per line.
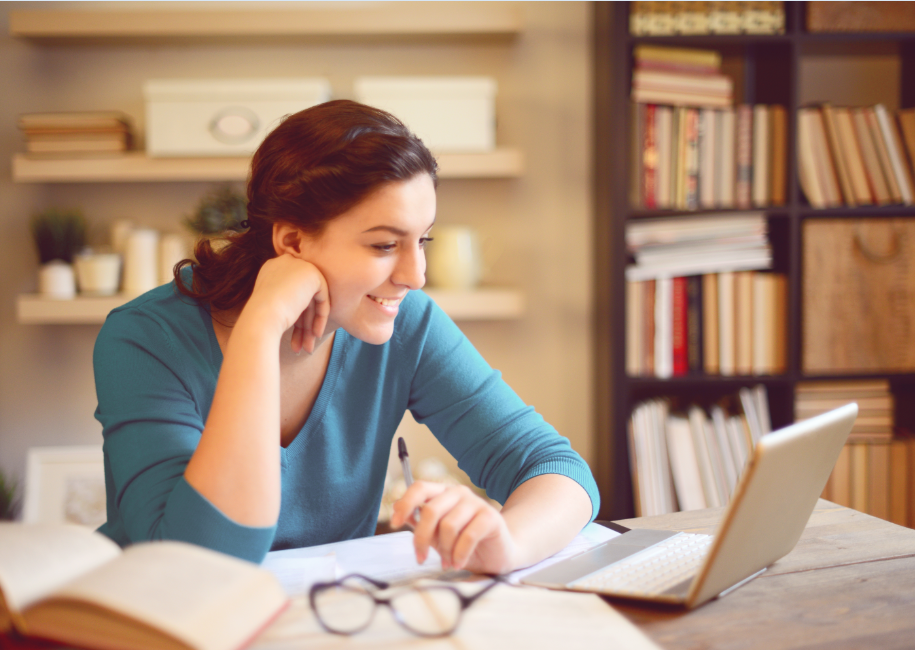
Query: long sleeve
x=154 y=392
x=497 y=439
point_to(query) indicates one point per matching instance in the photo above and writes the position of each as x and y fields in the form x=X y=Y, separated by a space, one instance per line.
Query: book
x=691 y=166
x=71 y=585
x=883 y=154
x=710 y=339
x=761 y=156
x=810 y=180
x=895 y=154
x=743 y=157
x=679 y=326
x=634 y=328
x=685 y=464
x=743 y=295
x=853 y=157
x=648 y=336
x=708 y=162
x=875 y=178
x=663 y=328
x=664 y=145
x=677 y=58
x=649 y=159
x=726 y=170
x=825 y=168
x=694 y=325
x=778 y=158
x=837 y=155
x=906 y=118
x=85 y=120
x=727 y=326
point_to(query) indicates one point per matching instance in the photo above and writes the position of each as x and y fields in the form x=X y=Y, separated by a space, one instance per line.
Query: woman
x=251 y=405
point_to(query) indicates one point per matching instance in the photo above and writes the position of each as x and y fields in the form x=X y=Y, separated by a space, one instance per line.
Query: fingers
x=455 y=522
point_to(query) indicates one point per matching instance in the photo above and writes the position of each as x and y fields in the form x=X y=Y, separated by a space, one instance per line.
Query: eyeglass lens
x=344 y=608
x=428 y=611
x=349 y=608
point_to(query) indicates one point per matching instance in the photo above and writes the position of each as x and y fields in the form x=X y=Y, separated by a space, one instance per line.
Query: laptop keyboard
x=652 y=571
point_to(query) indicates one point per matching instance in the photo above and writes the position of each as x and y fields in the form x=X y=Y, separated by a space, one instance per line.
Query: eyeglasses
x=348 y=605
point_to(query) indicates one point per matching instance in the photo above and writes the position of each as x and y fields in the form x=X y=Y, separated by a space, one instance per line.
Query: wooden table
x=849 y=583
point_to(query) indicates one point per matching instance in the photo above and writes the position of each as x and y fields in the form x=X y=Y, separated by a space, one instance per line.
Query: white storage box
x=450 y=114
x=231 y=117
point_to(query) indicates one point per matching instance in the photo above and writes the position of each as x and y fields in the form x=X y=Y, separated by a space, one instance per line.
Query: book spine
x=744 y=156
x=760 y=189
x=680 y=322
x=650 y=160
x=663 y=324
x=648 y=336
x=778 y=146
x=692 y=159
x=694 y=343
x=727 y=172
x=838 y=158
x=710 y=337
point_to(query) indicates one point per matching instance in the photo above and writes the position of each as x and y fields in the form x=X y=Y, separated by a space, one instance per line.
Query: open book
x=72 y=585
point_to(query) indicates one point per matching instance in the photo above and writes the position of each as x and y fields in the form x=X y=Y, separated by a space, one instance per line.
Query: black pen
x=407 y=473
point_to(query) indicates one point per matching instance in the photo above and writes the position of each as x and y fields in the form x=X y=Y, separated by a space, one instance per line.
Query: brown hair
x=316 y=165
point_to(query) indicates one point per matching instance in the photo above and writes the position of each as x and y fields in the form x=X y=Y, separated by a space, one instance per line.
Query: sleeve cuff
x=191 y=518
x=578 y=472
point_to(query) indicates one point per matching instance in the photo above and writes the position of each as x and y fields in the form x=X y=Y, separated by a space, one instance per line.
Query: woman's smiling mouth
x=387 y=302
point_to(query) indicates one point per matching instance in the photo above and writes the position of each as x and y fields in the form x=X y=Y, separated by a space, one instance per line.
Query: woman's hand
x=291 y=292
x=467 y=532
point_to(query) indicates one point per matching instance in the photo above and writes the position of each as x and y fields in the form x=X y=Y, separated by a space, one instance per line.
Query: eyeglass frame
x=381 y=585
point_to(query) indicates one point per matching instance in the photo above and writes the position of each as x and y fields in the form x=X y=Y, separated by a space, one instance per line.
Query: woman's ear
x=287 y=239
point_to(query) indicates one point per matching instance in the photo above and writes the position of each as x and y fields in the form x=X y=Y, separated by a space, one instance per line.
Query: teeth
x=387 y=302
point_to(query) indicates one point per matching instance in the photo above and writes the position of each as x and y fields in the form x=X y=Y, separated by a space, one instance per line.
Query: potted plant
x=9 y=499
x=221 y=209
x=59 y=235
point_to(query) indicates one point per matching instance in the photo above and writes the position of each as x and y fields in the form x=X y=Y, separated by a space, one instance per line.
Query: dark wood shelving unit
x=770 y=65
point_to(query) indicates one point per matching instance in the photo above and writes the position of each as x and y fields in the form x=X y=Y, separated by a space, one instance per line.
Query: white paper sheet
x=390 y=558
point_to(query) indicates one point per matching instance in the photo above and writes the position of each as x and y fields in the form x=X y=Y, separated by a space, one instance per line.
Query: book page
x=38 y=558
x=203 y=598
x=507 y=616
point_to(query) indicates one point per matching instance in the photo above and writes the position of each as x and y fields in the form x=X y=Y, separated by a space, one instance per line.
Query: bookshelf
x=482 y=304
x=766 y=71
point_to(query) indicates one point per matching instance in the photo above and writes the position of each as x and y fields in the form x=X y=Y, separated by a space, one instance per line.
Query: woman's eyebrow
x=391 y=229
x=397 y=232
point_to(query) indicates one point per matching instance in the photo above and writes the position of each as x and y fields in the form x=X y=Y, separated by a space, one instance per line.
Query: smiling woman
x=250 y=405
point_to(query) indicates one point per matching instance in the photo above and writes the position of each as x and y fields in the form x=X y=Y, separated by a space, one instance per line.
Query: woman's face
x=372 y=255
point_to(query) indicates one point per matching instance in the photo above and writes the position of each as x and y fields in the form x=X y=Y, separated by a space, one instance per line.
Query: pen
x=407 y=473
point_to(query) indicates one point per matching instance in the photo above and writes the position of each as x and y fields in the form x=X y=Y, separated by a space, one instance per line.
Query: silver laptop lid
x=773 y=501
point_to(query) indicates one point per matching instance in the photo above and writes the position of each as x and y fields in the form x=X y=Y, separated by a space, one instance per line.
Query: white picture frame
x=65 y=485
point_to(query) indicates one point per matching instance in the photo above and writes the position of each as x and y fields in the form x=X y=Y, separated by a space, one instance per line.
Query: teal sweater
x=156 y=364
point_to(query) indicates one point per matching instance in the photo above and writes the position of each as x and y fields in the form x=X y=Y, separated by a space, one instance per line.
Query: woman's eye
x=424 y=240
x=384 y=248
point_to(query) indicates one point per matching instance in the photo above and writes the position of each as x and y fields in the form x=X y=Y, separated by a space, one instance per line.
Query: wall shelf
x=347 y=20
x=137 y=167
x=481 y=304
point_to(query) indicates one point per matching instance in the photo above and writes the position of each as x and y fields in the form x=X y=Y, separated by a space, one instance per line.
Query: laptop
x=769 y=509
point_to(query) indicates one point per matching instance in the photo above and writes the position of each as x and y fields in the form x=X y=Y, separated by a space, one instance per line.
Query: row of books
x=877 y=478
x=856 y=155
x=76 y=133
x=690 y=158
x=689 y=459
x=729 y=323
x=664 y=18
x=696 y=301
x=682 y=76
x=875 y=422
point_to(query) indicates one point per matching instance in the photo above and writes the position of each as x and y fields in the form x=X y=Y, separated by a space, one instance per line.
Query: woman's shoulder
x=163 y=311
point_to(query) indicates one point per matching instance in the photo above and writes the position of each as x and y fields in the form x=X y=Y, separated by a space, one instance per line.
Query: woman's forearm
x=543 y=515
x=236 y=466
